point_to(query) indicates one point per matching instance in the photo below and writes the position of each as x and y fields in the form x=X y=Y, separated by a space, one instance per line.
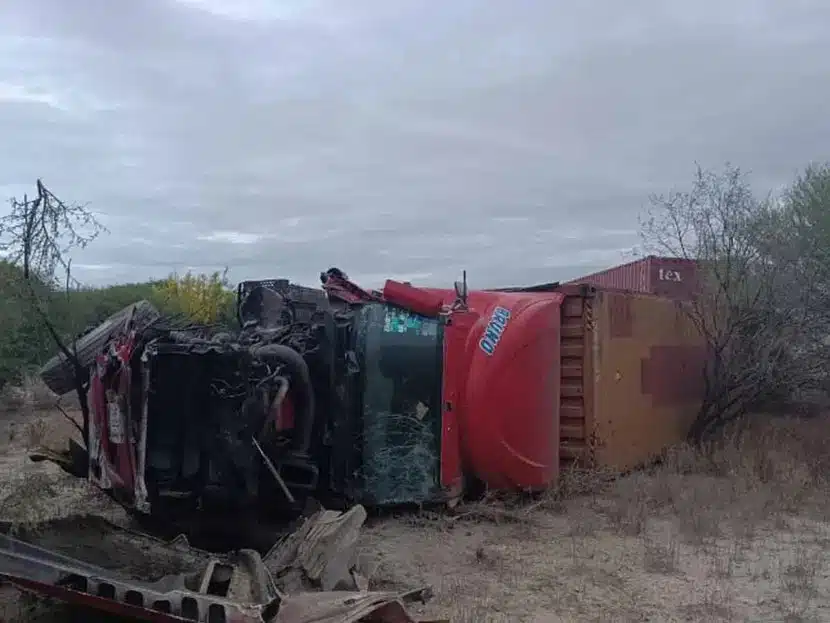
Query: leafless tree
x=38 y=235
x=756 y=330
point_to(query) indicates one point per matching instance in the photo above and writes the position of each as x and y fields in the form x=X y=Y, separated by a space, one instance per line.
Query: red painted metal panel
x=633 y=276
x=110 y=417
x=672 y=277
x=509 y=420
x=455 y=377
x=502 y=378
x=669 y=277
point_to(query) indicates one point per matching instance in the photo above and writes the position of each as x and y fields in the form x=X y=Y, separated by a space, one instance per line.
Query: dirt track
x=675 y=545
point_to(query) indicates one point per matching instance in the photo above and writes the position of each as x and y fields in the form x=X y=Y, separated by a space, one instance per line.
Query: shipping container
x=670 y=277
x=631 y=376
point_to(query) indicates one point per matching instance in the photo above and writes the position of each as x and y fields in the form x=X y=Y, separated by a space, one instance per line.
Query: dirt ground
x=739 y=533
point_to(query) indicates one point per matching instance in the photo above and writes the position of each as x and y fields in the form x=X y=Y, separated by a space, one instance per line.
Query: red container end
x=669 y=277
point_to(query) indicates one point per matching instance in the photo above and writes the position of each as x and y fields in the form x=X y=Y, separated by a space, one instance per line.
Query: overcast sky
x=407 y=138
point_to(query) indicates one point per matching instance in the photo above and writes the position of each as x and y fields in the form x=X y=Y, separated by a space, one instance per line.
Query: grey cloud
x=518 y=141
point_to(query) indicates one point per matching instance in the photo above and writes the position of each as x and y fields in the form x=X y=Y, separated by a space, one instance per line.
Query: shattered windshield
x=400 y=355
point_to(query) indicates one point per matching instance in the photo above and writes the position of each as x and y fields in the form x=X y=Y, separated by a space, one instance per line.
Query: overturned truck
x=405 y=395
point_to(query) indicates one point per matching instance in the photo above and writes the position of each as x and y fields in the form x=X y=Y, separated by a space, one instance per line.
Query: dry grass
x=29 y=397
x=734 y=531
x=661 y=555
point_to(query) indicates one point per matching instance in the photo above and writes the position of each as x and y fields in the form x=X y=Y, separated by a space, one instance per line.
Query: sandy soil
x=675 y=544
x=574 y=567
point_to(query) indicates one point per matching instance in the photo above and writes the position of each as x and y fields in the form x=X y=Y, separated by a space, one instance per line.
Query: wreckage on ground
x=90 y=563
x=349 y=397
x=343 y=395
x=402 y=396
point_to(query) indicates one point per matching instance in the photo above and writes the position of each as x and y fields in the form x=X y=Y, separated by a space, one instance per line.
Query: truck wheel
x=58 y=373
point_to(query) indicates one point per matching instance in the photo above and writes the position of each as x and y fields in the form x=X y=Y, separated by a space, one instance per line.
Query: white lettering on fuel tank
x=494 y=330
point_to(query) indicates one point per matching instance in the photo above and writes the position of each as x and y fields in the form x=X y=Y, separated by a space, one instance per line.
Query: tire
x=58 y=373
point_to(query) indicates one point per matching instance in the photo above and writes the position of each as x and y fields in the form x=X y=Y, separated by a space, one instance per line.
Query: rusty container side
x=631 y=377
x=648 y=377
x=575 y=397
x=670 y=277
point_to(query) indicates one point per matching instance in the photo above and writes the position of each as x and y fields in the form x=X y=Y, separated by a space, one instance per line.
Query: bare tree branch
x=38 y=235
x=760 y=336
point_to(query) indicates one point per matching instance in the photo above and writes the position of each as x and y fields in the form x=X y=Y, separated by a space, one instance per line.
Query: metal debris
x=321 y=554
x=308 y=577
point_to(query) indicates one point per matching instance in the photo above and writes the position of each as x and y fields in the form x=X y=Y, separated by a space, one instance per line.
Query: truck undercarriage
x=400 y=396
x=224 y=437
x=329 y=393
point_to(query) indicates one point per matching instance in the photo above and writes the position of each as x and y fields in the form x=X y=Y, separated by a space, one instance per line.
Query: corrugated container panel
x=670 y=277
x=631 y=376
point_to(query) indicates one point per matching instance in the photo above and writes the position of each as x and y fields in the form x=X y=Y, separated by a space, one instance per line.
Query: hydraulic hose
x=275 y=404
x=277 y=354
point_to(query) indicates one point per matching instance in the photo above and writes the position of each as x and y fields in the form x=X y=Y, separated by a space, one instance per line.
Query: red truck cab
x=408 y=395
x=501 y=374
